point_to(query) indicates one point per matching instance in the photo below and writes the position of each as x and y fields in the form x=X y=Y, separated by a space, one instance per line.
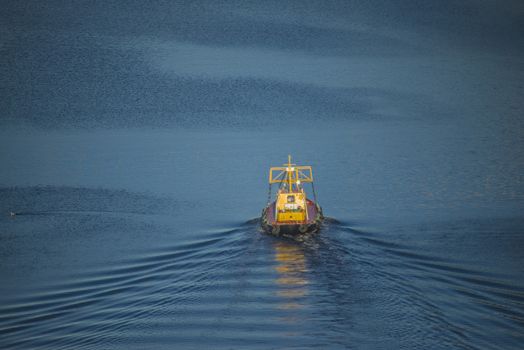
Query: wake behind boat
x=291 y=212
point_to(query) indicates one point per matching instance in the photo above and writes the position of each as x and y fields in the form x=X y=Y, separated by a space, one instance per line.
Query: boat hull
x=311 y=225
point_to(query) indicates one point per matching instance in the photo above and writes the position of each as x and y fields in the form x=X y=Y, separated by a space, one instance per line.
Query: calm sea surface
x=150 y=240
x=135 y=144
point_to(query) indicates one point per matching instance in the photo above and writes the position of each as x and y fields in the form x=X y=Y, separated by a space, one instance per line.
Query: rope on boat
x=314 y=194
x=269 y=195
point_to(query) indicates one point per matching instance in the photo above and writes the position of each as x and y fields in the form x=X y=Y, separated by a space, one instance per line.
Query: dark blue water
x=135 y=141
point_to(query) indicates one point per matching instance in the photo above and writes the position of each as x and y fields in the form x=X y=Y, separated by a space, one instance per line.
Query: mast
x=291 y=174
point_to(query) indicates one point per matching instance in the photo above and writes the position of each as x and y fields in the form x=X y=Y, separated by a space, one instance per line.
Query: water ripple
x=229 y=285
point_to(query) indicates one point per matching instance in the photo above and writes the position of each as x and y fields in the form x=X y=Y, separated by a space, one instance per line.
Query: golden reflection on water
x=292 y=281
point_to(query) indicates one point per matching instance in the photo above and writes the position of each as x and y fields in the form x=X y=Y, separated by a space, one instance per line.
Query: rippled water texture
x=135 y=141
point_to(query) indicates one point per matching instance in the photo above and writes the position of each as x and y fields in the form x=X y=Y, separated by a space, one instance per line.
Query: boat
x=291 y=212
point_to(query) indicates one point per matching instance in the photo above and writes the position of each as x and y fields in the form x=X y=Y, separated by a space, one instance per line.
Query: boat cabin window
x=291 y=199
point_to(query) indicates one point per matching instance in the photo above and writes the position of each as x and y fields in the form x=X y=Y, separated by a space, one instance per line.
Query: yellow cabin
x=291 y=204
x=291 y=212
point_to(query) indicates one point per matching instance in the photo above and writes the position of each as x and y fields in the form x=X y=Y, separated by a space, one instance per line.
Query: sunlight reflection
x=291 y=279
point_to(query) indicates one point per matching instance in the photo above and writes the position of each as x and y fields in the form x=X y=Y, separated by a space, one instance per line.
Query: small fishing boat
x=291 y=212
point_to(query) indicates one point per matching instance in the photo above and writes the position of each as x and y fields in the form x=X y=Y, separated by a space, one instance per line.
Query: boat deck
x=312 y=212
